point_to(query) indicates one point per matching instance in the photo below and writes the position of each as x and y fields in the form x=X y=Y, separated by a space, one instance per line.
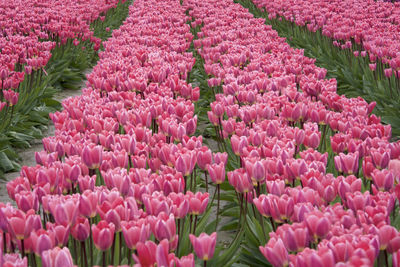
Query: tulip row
x=288 y=127
x=361 y=70
x=120 y=172
x=367 y=26
x=40 y=44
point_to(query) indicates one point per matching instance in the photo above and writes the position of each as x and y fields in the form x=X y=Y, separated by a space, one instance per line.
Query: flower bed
x=289 y=128
x=357 y=47
x=119 y=166
x=312 y=175
x=44 y=46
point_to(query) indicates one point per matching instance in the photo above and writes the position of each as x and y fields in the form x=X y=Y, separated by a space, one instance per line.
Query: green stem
x=218 y=200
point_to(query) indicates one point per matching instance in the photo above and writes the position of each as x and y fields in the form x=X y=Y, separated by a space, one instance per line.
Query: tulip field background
x=200 y=133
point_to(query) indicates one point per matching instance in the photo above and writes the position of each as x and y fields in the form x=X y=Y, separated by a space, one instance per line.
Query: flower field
x=202 y=138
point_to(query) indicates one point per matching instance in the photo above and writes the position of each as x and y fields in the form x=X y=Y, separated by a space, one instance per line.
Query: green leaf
x=5 y=163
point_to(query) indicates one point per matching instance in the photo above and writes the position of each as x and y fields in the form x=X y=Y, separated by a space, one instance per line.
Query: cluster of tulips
x=118 y=174
x=120 y=179
x=367 y=28
x=287 y=126
x=30 y=30
x=36 y=40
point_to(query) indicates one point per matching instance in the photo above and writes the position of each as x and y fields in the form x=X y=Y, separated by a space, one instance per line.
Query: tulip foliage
x=303 y=176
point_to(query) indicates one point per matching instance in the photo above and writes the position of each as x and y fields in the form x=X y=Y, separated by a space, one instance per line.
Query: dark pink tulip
x=57 y=257
x=11 y=97
x=81 y=229
x=204 y=245
x=275 y=252
x=103 y=235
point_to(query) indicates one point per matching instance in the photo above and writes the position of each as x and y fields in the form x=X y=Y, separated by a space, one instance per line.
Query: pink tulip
x=103 y=235
x=318 y=226
x=57 y=257
x=92 y=156
x=217 y=172
x=135 y=232
x=61 y=233
x=88 y=202
x=64 y=212
x=146 y=253
x=383 y=179
x=197 y=202
x=275 y=252
x=81 y=230
x=348 y=163
x=42 y=240
x=204 y=245
x=14 y=260
x=185 y=261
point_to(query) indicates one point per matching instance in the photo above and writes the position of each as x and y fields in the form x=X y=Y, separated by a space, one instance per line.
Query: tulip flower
x=146 y=253
x=204 y=245
x=81 y=230
x=42 y=240
x=217 y=172
x=103 y=235
x=135 y=232
x=10 y=260
x=57 y=257
x=92 y=156
x=275 y=252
